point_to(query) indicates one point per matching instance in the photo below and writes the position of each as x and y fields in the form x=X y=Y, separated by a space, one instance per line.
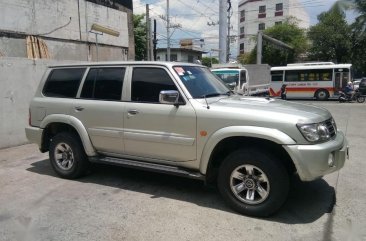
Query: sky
x=194 y=16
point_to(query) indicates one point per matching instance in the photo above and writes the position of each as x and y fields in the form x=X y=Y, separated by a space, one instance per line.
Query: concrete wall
x=19 y=79
x=65 y=27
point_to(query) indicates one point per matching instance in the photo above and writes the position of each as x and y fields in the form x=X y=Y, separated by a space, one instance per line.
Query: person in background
x=283 y=92
x=349 y=90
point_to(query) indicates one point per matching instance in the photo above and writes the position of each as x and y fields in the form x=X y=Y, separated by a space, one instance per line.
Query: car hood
x=303 y=113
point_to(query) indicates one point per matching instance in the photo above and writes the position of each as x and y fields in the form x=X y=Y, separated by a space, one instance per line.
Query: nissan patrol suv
x=180 y=119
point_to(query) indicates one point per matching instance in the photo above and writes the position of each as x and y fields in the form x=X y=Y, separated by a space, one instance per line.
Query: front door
x=340 y=81
x=154 y=131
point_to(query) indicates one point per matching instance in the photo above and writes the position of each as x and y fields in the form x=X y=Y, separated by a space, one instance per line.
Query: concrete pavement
x=122 y=204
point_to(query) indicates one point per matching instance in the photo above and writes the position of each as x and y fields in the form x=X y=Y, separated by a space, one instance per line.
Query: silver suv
x=180 y=119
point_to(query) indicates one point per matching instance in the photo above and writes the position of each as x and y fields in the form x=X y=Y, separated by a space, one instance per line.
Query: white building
x=257 y=15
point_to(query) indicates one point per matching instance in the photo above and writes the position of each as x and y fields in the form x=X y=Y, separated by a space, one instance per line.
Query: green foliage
x=248 y=58
x=331 y=38
x=207 y=61
x=288 y=32
x=140 y=36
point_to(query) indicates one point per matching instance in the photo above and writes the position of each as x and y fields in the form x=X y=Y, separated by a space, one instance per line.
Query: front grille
x=332 y=127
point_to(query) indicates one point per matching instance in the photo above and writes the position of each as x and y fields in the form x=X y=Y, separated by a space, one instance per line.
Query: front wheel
x=322 y=94
x=67 y=156
x=253 y=183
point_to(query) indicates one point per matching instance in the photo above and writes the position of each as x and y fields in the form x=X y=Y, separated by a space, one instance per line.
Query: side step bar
x=153 y=167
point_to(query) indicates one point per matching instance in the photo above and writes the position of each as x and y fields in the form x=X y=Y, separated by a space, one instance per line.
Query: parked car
x=180 y=119
x=356 y=84
x=362 y=86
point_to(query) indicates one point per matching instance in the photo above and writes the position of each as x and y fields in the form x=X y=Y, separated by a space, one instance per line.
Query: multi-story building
x=256 y=15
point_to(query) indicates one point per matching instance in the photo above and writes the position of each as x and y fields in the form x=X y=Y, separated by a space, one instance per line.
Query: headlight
x=315 y=132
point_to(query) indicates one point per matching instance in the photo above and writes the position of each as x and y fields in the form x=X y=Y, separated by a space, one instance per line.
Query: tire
x=360 y=99
x=67 y=156
x=322 y=94
x=269 y=177
x=341 y=99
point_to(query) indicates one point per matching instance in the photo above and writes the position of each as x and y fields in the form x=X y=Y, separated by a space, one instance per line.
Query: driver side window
x=148 y=82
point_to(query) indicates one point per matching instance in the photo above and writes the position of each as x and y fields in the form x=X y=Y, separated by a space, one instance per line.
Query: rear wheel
x=360 y=99
x=321 y=94
x=67 y=156
x=253 y=183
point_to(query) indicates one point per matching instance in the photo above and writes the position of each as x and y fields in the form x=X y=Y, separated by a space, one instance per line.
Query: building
x=190 y=51
x=255 y=15
x=179 y=55
x=67 y=29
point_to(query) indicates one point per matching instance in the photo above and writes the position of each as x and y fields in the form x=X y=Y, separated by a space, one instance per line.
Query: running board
x=160 y=168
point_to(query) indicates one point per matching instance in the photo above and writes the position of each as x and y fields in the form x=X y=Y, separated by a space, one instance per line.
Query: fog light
x=331 y=160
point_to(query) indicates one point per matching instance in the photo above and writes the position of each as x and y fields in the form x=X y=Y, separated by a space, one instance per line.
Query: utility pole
x=148 y=34
x=259 y=47
x=168 y=31
x=155 y=41
x=222 y=31
x=229 y=14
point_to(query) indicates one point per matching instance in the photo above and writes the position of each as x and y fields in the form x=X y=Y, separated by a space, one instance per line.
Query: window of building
x=262 y=12
x=278 y=23
x=173 y=57
x=242 y=32
x=63 y=83
x=261 y=26
x=279 y=7
x=103 y=84
x=241 y=48
x=262 y=9
x=242 y=16
x=148 y=82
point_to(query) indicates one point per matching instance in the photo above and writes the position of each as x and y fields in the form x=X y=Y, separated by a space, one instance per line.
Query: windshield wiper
x=217 y=94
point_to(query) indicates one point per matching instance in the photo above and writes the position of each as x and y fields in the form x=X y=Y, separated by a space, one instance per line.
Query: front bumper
x=315 y=161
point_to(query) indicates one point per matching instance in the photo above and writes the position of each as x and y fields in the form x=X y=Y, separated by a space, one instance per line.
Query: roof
x=115 y=63
x=323 y=66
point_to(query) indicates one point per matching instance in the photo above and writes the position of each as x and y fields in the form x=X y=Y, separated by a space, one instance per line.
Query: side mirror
x=169 y=97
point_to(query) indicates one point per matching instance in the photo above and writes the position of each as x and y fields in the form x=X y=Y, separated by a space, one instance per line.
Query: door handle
x=79 y=108
x=133 y=112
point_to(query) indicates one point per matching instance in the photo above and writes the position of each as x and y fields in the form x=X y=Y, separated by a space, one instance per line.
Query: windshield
x=228 y=76
x=200 y=82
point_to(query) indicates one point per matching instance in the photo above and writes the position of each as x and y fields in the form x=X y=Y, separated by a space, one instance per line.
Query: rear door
x=100 y=109
x=154 y=131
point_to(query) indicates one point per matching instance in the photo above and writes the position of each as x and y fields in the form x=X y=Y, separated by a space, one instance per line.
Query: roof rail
x=311 y=63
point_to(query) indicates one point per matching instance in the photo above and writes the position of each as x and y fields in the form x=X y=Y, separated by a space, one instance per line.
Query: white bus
x=321 y=80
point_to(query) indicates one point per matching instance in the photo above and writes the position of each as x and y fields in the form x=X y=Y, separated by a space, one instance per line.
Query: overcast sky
x=194 y=16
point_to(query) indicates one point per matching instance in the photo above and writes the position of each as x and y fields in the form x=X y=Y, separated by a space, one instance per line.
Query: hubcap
x=249 y=184
x=64 y=156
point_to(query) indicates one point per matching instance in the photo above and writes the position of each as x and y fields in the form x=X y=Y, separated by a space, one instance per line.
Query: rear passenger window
x=148 y=82
x=103 y=84
x=63 y=83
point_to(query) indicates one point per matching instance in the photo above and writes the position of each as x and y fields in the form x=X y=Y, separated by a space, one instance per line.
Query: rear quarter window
x=63 y=83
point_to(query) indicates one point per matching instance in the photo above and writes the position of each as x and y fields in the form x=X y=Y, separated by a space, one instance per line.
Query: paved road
x=122 y=204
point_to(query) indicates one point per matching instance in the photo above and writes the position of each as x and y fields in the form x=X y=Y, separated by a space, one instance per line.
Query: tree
x=288 y=32
x=140 y=36
x=331 y=37
x=208 y=60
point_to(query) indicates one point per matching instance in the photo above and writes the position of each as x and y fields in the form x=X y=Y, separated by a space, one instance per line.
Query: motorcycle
x=343 y=97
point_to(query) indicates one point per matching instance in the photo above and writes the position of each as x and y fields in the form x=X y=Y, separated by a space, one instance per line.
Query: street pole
x=148 y=36
x=155 y=41
x=222 y=31
x=259 y=47
x=168 y=31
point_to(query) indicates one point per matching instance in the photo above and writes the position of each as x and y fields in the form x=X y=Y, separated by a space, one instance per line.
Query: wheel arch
x=222 y=143
x=57 y=123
